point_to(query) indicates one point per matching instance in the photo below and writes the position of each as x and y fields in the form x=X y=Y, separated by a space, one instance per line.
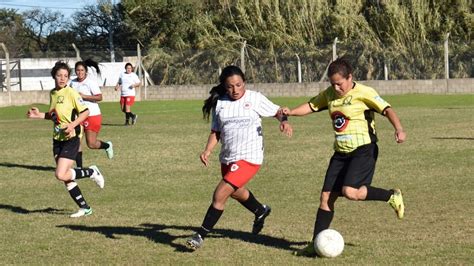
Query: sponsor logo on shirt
x=339 y=120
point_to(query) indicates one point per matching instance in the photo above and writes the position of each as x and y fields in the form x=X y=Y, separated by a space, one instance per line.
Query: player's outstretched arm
x=301 y=110
x=400 y=135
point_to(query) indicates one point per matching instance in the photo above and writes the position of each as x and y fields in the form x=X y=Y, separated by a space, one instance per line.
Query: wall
x=390 y=87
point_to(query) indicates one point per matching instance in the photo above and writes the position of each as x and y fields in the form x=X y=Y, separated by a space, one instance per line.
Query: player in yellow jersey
x=67 y=111
x=351 y=108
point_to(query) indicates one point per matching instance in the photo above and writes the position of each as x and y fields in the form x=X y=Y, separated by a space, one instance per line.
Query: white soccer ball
x=329 y=243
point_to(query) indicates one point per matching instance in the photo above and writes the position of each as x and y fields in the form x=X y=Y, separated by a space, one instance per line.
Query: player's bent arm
x=92 y=98
x=400 y=134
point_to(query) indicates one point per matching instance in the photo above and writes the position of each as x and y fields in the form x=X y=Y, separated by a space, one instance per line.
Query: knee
x=351 y=193
x=62 y=176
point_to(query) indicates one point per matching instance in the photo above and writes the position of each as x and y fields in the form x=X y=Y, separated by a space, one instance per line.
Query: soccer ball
x=329 y=243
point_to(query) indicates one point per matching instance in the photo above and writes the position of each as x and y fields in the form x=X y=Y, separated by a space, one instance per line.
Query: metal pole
x=242 y=56
x=334 y=50
x=7 y=72
x=299 y=68
x=139 y=64
x=385 y=70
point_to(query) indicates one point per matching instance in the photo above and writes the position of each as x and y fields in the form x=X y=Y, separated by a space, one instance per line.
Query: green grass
x=157 y=191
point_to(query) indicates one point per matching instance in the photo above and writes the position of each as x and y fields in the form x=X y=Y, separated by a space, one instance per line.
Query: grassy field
x=157 y=191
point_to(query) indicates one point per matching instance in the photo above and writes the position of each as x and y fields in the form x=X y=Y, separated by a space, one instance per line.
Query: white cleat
x=110 y=150
x=81 y=212
x=97 y=176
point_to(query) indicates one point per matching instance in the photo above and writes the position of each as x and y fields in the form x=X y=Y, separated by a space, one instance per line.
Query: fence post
x=385 y=70
x=7 y=72
x=139 y=64
x=78 y=53
x=242 y=56
x=334 y=50
x=299 y=68
x=446 y=61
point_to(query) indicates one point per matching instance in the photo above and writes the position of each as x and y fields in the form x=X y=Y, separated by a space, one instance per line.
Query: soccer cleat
x=260 y=220
x=307 y=251
x=97 y=176
x=396 y=201
x=126 y=123
x=110 y=150
x=195 y=242
x=81 y=212
x=134 y=119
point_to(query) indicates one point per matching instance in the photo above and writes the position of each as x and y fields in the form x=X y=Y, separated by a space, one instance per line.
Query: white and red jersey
x=240 y=125
x=127 y=81
x=90 y=87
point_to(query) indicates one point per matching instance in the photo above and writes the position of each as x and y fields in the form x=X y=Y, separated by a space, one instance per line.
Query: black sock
x=211 y=218
x=127 y=117
x=76 y=195
x=83 y=172
x=253 y=205
x=79 y=159
x=380 y=194
x=104 y=145
x=323 y=220
x=132 y=115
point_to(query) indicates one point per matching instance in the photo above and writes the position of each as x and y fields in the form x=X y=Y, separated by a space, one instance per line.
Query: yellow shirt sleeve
x=373 y=100
x=320 y=102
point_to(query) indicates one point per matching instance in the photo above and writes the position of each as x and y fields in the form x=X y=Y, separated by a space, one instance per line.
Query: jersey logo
x=234 y=167
x=60 y=99
x=247 y=105
x=340 y=121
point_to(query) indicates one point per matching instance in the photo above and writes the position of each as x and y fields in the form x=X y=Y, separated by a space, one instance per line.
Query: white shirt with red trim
x=240 y=125
x=90 y=87
x=127 y=81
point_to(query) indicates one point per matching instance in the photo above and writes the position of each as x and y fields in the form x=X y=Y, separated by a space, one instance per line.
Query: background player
x=127 y=83
x=351 y=108
x=90 y=92
x=236 y=122
x=67 y=111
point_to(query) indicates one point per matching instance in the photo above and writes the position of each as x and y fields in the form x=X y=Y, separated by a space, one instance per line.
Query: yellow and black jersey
x=352 y=115
x=65 y=105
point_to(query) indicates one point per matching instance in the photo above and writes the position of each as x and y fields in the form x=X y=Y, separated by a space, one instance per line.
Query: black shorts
x=66 y=149
x=354 y=169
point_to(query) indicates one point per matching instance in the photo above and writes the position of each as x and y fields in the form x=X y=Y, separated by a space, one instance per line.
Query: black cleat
x=260 y=220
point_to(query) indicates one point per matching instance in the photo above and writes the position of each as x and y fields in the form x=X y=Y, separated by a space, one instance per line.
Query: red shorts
x=127 y=100
x=239 y=173
x=93 y=123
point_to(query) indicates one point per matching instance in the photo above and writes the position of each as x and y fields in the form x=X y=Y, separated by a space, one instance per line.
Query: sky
x=67 y=7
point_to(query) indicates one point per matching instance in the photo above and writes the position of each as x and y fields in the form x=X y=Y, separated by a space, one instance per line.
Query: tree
x=12 y=32
x=41 y=23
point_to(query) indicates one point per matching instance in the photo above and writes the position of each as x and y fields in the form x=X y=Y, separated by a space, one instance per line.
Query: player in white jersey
x=127 y=83
x=87 y=86
x=236 y=123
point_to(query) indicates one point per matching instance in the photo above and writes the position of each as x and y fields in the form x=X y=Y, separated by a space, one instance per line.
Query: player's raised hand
x=33 y=112
x=205 y=157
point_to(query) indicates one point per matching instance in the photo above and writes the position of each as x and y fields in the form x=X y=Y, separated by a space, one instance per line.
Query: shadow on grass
x=460 y=138
x=156 y=233
x=30 y=167
x=113 y=125
x=21 y=210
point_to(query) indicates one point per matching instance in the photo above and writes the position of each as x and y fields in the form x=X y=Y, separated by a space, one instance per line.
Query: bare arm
x=400 y=135
x=92 y=98
x=69 y=128
x=212 y=141
x=301 y=110
x=34 y=113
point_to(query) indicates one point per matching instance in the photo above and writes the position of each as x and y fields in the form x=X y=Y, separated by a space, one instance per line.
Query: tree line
x=187 y=41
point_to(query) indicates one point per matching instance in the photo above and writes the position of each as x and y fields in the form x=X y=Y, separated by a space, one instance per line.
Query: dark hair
x=88 y=63
x=60 y=65
x=128 y=64
x=219 y=90
x=340 y=66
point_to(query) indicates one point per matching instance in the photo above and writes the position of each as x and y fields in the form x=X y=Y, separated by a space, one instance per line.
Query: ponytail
x=211 y=102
